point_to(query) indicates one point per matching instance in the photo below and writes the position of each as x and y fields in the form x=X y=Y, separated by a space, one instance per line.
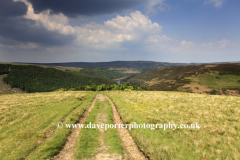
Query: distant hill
x=141 y=66
x=208 y=78
x=62 y=68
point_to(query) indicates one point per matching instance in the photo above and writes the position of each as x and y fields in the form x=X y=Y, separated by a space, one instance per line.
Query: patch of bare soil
x=6 y=88
x=102 y=150
x=67 y=153
x=101 y=97
x=129 y=145
x=233 y=92
x=195 y=88
x=131 y=71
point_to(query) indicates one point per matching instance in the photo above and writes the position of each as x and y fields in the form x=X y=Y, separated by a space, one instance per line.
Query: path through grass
x=27 y=120
x=98 y=142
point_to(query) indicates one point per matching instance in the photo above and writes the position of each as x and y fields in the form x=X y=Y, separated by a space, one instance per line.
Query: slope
x=213 y=79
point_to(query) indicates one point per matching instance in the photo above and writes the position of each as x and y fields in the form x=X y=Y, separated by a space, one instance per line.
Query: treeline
x=37 y=79
x=104 y=87
x=4 y=68
x=103 y=73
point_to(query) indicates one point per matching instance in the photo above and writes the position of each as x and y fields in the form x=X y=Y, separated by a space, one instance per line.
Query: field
x=217 y=138
x=28 y=125
x=28 y=122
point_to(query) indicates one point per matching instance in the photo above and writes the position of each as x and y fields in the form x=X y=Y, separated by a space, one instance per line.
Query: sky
x=177 y=31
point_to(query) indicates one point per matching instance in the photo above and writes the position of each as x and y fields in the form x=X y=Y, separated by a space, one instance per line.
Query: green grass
x=218 y=116
x=26 y=119
x=88 y=141
x=88 y=138
x=110 y=136
x=215 y=81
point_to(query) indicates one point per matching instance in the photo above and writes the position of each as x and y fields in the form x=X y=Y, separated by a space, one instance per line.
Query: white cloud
x=218 y=44
x=184 y=47
x=216 y=3
x=186 y=44
x=223 y=43
x=117 y=30
x=57 y=22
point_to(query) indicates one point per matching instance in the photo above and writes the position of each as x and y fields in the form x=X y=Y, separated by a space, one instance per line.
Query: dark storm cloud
x=14 y=28
x=72 y=8
x=8 y=8
x=25 y=30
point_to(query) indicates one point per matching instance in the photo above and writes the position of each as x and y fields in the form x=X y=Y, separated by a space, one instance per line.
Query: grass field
x=217 y=138
x=28 y=122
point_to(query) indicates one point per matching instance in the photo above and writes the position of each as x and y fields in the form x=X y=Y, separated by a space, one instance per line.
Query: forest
x=4 y=68
x=37 y=79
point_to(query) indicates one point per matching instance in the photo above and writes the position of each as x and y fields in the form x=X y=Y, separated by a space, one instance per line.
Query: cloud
x=216 y=3
x=223 y=43
x=73 y=8
x=8 y=8
x=154 y=6
x=186 y=44
x=218 y=44
x=114 y=32
x=49 y=33
x=56 y=22
x=17 y=30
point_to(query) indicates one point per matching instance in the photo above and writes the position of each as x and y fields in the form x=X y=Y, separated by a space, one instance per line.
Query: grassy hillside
x=38 y=79
x=216 y=78
x=218 y=118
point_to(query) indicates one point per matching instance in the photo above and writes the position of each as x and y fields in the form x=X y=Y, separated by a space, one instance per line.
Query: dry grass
x=26 y=121
x=218 y=116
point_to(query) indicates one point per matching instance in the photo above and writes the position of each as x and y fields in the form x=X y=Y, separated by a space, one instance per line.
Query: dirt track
x=128 y=143
x=67 y=153
x=131 y=150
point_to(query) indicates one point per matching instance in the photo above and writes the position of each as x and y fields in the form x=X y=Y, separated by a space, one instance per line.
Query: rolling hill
x=208 y=78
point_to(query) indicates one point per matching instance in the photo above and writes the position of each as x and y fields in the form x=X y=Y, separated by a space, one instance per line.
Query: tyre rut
x=67 y=153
